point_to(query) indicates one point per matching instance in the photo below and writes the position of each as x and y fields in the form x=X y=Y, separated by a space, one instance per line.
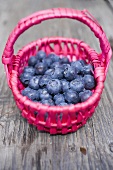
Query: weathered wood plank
x=21 y=145
x=110 y=3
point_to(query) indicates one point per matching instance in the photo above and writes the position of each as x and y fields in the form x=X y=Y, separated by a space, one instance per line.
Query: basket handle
x=36 y=18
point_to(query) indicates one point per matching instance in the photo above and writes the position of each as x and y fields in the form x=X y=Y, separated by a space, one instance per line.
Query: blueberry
x=88 y=69
x=41 y=55
x=77 y=66
x=59 y=98
x=48 y=61
x=55 y=73
x=44 y=80
x=32 y=61
x=82 y=62
x=56 y=64
x=71 y=96
x=29 y=70
x=33 y=95
x=65 y=85
x=70 y=73
x=50 y=72
x=54 y=57
x=85 y=95
x=47 y=102
x=37 y=94
x=80 y=77
x=63 y=104
x=34 y=82
x=54 y=86
x=25 y=77
x=80 y=94
x=40 y=68
x=58 y=73
x=89 y=82
x=64 y=60
x=25 y=91
x=44 y=94
x=77 y=85
x=65 y=66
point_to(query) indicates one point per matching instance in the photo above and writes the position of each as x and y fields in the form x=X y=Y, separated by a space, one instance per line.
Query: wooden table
x=22 y=147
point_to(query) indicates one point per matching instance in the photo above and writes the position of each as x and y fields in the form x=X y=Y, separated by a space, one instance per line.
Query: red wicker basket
x=48 y=118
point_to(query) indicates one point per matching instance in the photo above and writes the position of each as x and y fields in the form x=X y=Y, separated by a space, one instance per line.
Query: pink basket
x=48 y=118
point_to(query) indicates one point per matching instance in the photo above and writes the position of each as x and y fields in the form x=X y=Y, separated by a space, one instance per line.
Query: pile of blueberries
x=57 y=81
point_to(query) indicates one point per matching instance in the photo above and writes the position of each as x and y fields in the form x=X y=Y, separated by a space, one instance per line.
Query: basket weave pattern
x=57 y=119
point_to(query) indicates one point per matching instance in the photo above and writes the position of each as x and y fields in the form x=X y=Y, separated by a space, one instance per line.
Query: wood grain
x=110 y=3
x=22 y=147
